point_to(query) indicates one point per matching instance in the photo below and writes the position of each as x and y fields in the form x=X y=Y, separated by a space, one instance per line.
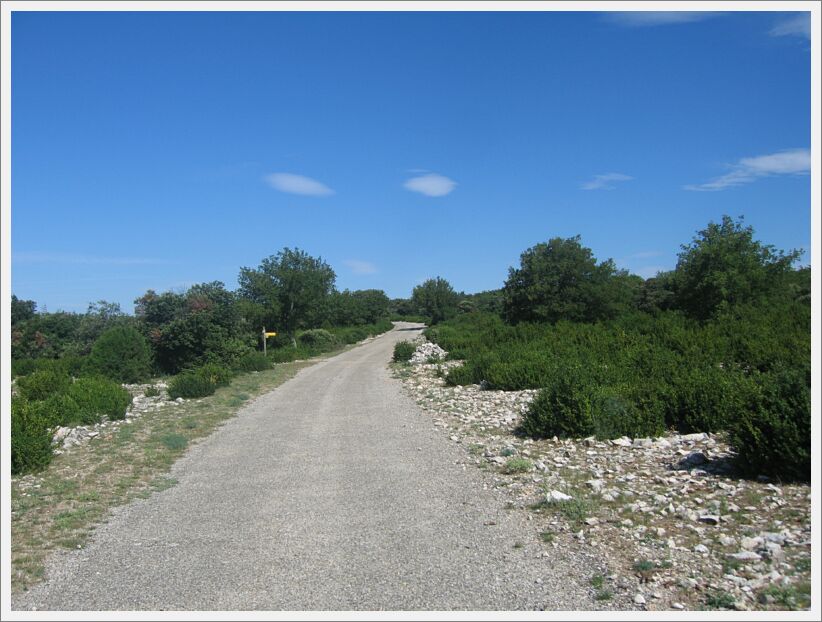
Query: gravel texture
x=332 y=492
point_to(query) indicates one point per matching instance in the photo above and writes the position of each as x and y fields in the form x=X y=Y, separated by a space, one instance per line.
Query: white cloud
x=431 y=184
x=604 y=182
x=358 y=266
x=658 y=18
x=297 y=184
x=799 y=25
x=68 y=258
x=748 y=170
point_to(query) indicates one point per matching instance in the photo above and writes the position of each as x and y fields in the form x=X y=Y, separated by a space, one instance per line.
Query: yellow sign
x=270 y=334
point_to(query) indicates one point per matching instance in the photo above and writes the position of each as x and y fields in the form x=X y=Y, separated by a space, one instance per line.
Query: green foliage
x=30 y=438
x=436 y=299
x=773 y=436
x=217 y=375
x=41 y=384
x=561 y=280
x=253 y=361
x=725 y=266
x=403 y=351
x=318 y=339
x=62 y=409
x=359 y=307
x=97 y=396
x=174 y=441
x=291 y=284
x=190 y=384
x=562 y=410
x=21 y=310
x=122 y=354
x=152 y=391
x=199 y=326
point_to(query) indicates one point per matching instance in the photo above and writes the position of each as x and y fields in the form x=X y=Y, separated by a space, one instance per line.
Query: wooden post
x=265 y=352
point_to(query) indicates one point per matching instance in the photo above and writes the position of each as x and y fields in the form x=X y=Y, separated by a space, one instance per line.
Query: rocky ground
x=145 y=398
x=678 y=528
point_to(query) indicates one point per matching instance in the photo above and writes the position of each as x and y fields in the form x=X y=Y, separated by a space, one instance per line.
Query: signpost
x=265 y=335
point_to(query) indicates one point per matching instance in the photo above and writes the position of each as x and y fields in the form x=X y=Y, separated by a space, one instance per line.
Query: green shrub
x=62 y=409
x=318 y=339
x=403 y=351
x=152 y=391
x=708 y=399
x=563 y=410
x=97 y=396
x=774 y=436
x=30 y=438
x=122 y=354
x=517 y=465
x=217 y=375
x=199 y=382
x=39 y=385
x=622 y=411
x=253 y=361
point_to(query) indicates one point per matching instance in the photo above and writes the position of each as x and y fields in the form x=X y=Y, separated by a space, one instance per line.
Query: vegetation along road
x=331 y=492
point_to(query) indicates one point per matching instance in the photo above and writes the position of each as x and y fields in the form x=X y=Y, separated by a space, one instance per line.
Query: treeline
x=720 y=343
x=69 y=366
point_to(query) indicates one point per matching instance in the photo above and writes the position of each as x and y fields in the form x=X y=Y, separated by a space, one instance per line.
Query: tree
x=436 y=299
x=724 y=266
x=21 y=310
x=561 y=280
x=294 y=285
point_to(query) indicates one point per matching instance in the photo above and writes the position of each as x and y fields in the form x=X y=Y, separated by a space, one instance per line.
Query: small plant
x=719 y=600
x=403 y=351
x=603 y=595
x=152 y=391
x=517 y=465
x=597 y=581
x=507 y=452
x=174 y=441
x=575 y=510
x=546 y=536
x=518 y=545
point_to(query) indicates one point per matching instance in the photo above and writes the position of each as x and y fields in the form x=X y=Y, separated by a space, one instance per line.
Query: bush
x=318 y=339
x=41 y=384
x=97 y=396
x=774 y=436
x=620 y=411
x=62 y=409
x=253 y=361
x=30 y=438
x=190 y=384
x=122 y=354
x=218 y=375
x=403 y=351
x=563 y=410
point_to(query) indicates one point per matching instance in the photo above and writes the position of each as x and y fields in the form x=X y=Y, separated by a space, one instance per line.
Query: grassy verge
x=59 y=507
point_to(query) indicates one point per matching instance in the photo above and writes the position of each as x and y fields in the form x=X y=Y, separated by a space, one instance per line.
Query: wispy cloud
x=799 y=26
x=68 y=258
x=748 y=170
x=605 y=181
x=658 y=18
x=431 y=184
x=357 y=266
x=297 y=184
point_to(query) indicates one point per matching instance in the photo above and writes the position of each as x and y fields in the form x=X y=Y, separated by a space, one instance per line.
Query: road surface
x=332 y=492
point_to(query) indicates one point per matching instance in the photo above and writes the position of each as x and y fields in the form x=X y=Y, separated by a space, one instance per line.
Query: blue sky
x=158 y=150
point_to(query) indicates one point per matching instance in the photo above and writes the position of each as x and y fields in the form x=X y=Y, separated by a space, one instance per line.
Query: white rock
x=555 y=496
x=745 y=556
x=595 y=484
x=639 y=599
x=701 y=548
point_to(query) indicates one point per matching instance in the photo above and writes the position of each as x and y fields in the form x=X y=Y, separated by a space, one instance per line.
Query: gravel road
x=332 y=492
